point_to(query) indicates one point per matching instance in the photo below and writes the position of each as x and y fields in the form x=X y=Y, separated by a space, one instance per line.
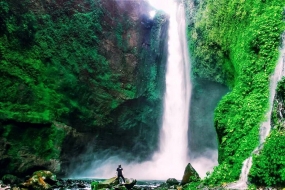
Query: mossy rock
x=108 y=183
x=190 y=175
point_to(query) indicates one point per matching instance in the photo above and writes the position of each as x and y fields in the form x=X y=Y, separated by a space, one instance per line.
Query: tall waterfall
x=265 y=127
x=171 y=159
x=172 y=156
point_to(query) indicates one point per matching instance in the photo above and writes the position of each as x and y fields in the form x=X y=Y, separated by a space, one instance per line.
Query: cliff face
x=76 y=74
x=236 y=43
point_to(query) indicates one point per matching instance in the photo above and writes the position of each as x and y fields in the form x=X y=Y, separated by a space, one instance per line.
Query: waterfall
x=172 y=156
x=265 y=127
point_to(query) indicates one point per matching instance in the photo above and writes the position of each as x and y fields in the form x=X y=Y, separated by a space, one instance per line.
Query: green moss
x=237 y=43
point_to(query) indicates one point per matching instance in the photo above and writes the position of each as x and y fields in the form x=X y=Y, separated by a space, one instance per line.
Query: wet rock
x=190 y=175
x=81 y=185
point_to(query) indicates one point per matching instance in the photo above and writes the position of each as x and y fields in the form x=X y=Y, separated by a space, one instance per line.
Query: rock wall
x=78 y=74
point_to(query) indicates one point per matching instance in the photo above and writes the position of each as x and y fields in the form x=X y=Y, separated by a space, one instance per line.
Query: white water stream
x=265 y=126
x=172 y=157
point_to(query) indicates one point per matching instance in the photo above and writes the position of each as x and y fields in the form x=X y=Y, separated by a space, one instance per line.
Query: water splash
x=265 y=126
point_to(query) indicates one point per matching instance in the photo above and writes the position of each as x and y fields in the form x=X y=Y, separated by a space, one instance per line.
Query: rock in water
x=190 y=175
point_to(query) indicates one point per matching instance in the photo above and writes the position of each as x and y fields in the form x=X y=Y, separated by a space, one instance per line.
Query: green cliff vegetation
x=268 y=166
x=51 y=69
x=72 y=63
x=236 y=42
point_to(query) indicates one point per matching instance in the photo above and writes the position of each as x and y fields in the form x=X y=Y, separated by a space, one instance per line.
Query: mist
x=202 y=134
x=155 y=169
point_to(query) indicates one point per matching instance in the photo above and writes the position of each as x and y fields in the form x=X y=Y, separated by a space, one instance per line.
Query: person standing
x=120 y=173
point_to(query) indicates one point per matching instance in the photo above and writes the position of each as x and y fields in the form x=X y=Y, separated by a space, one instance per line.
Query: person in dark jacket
x=120 y=173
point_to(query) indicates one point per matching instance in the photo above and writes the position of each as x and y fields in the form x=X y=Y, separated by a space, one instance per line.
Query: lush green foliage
x=268 y=165
x=192 y=186
x=51 y=69
x=236 y=42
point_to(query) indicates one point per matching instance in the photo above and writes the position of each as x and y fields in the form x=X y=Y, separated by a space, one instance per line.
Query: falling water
x=171 y=158
x=265 y=126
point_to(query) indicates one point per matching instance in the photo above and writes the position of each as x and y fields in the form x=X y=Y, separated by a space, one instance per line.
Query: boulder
x=108 y=183
x=190 y=175
x=114 y=183
x=40 y=180
x=130 y=182
x=172 y=181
